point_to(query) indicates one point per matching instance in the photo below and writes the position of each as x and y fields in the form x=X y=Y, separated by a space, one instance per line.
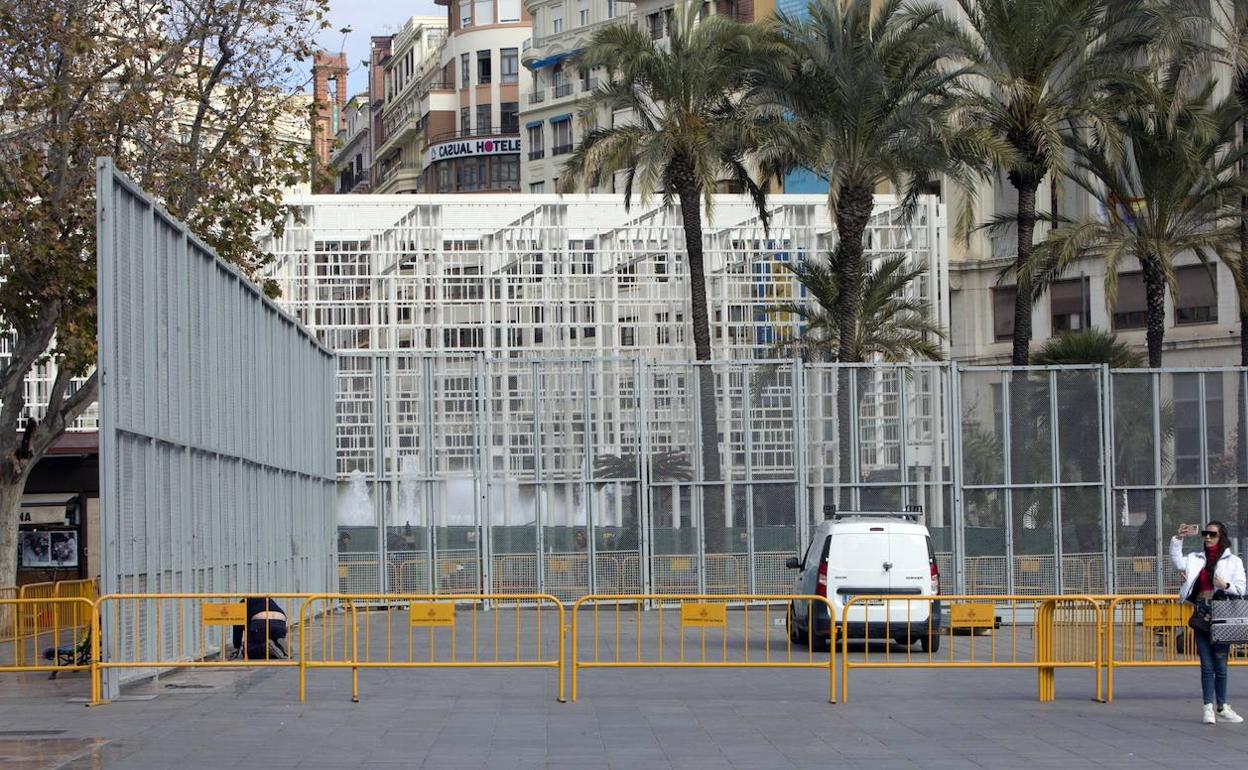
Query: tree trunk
x=1026 y=225
x=708 y=413
x=11 y=489
x=1155 y=298
x=853 y=211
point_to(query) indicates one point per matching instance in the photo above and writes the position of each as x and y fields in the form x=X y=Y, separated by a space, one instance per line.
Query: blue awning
x=533 y=124
x=561 y=118
x=551 y=61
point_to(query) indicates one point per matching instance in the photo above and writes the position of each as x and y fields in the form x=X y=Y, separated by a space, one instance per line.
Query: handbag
x=1201 y=619
x=1228 y=620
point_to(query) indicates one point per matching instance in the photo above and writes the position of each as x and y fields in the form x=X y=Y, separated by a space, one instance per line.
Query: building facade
x=552 y=126
x=352 y=160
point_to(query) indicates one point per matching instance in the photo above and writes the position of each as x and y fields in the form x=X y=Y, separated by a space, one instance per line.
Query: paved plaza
x=622 y=719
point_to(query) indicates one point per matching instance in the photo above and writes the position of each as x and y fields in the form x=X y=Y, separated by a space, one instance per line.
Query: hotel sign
x=469 y=147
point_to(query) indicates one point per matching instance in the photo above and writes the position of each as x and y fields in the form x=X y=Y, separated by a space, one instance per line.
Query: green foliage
x=1088 y=346
x=891 y=325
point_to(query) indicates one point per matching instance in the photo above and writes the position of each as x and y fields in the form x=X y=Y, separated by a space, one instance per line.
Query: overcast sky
x=367 y=18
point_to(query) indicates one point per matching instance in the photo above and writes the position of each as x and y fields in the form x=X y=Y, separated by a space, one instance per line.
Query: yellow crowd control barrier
x=51 y=648
x=431 y=631
x=1041 y=632
x=178 y=630
x=700 y=631
x=1150 y=630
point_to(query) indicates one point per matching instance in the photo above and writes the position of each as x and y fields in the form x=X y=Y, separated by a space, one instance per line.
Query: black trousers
x=261 y=631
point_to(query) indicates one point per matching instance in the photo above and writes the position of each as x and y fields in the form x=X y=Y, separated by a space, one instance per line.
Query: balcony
x=562 y=90
x=560 y=149
x=538 y=96
x=474 y=133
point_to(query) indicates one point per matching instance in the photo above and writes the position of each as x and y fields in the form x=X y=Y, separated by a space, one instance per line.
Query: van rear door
x=911 y=574
x=855 y=567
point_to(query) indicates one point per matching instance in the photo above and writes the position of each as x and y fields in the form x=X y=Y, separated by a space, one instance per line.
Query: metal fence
x=216 y=444
x=572 y=477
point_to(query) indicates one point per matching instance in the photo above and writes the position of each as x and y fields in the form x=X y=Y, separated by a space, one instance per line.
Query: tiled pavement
x=624 y=719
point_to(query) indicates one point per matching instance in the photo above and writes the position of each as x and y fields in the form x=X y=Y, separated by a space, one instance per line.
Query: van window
x=812 y=555
x=851 y=549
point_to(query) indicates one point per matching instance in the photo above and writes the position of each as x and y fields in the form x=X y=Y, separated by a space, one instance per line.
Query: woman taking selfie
x=1205 y=572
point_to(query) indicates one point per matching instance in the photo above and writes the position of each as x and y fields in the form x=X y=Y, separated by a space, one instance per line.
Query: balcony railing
x=473 y=133
x=536 y=154
x=538 y=96
x=562 y=90
x=561 y=149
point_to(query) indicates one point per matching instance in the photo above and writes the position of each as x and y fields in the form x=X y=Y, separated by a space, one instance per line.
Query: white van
x=869 y=552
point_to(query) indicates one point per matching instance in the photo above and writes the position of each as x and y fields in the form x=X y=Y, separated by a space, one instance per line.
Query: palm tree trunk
x=708 y=415
x=1155 y=306
x=853 y=211
x=1026 y=225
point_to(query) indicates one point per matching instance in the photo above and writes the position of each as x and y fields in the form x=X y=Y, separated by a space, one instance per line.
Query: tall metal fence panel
x=216 y=444
x=579 y=476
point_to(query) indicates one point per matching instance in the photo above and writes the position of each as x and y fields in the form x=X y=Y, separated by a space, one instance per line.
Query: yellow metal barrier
x=177 y=630
x=52 y=648
x=638 y=639
x=1041 y=632
x=71 y=614
x=432 y=631
x=1150 y=630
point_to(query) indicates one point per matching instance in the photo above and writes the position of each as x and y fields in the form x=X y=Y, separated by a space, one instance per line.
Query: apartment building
x=352 y=159
x=415 y=98
x=561 y=28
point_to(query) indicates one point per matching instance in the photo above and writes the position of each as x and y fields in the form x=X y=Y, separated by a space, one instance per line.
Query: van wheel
x=796 y=635
x=929 y=643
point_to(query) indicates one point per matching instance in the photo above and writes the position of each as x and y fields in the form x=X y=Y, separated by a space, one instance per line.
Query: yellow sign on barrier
x=1168 y=615
x=704 y=615
x=972 y=615
x=222 y=614
x=431 y=614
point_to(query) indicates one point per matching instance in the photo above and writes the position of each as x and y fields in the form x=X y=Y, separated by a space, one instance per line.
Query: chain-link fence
x=591 y=476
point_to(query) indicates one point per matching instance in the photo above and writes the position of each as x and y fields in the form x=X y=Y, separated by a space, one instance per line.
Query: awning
x=551 y=61
x=561 y=118
x=533 y=123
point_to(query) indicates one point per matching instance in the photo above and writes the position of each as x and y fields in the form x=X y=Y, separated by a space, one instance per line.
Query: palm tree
x=1088 y=346
x=1169 y=194
x=891 y=326
x=684 y=134
x=862 y=99
x=1043 y=68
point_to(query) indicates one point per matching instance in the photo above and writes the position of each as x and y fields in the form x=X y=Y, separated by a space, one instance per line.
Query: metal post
x=1007 y=381
x=587 y=475
x=1055 y=469
x=643 y=408
x=1109 y=537
x=1157 y=512
x=379 y=466
x=748 y=429
x=958 y=514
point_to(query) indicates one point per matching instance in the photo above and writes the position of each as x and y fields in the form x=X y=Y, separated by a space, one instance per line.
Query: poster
x=49 y=549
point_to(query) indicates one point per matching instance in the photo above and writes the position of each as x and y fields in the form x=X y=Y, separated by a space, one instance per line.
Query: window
x=463 y=71
x=1070 y=304
x=484 y=123
x=1003 y=312
x=1197 y=302
x=654 y=25
x=508 y=11
x=628 y=334
x=556 y=21
x=470 y=174
x=444 y=176
x=1130 y=306
x=509 y=65
x=536 y=147
x=465 y=122
x=559 y=78
x=483 y=67
x=465 y=13
x=537 y=187
x=505 y=172
x=561 y=143
x=483 y=12
x=582 y=11
x=509 y=117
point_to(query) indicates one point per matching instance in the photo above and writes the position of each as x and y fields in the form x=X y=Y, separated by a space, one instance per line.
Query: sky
x=365 y=19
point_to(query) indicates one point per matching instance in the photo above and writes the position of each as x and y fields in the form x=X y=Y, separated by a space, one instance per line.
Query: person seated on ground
x=265 y=631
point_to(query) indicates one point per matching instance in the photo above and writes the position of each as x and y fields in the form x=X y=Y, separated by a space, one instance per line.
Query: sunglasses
x=1209 y=533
